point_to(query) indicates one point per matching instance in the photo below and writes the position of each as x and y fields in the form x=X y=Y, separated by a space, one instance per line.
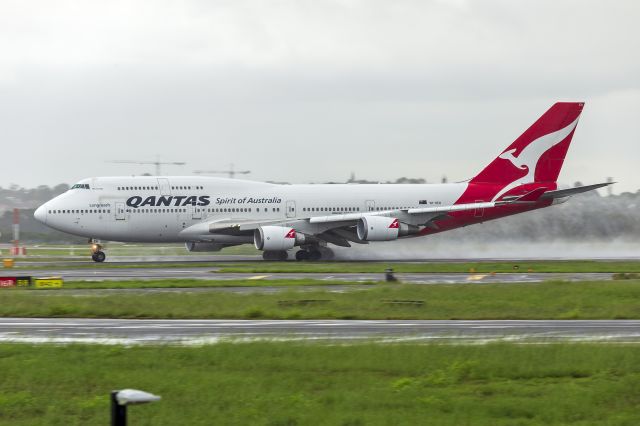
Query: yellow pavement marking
x=258 y=277
x=476 y=277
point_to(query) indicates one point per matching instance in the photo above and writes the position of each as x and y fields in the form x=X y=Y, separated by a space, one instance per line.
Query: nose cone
x=41 y=214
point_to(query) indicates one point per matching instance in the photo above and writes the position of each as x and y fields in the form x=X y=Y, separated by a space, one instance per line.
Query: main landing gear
x=308 y=253
x=97 y=255
x=314 y=253
x=275 y=255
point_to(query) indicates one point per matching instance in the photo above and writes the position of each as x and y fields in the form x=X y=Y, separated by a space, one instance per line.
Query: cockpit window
x=80 y=186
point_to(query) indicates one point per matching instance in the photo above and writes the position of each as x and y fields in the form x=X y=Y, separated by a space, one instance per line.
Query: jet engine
x=272 y=238
x=381 y=228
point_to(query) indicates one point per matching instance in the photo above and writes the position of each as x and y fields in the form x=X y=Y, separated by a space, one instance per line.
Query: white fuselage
x=158 y=209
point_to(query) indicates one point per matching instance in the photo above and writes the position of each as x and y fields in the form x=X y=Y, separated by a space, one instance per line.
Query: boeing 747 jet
x=209 y=214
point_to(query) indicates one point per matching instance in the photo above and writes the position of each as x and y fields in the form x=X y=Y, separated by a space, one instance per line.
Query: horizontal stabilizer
x=561 y=193
x=532 y=196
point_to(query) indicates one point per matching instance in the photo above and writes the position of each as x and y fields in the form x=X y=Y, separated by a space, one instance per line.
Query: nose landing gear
x=97 y=255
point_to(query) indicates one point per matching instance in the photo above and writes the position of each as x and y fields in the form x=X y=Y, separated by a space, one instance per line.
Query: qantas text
x=169 y=200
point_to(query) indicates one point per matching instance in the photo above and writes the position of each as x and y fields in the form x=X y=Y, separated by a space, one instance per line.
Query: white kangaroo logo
x=530 y=155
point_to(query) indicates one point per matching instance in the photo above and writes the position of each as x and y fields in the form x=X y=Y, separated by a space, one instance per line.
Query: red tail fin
x=537 y=155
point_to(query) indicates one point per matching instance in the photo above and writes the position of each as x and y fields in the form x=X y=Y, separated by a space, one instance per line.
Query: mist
x=587 y=226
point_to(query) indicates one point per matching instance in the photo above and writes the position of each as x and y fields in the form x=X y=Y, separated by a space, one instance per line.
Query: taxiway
x=128 y=331
x=210 y=273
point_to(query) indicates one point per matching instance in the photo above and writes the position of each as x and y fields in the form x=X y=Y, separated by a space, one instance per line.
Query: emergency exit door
x=291 y=209
x=120 y=213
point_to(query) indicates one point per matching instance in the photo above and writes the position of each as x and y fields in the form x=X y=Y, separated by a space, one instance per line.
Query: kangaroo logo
x=530 y=155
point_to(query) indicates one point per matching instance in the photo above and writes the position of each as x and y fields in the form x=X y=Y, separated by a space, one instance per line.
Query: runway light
x=122 y=398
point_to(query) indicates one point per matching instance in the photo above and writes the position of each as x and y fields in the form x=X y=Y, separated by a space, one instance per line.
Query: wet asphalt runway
x=209 y=273
x=118 y=331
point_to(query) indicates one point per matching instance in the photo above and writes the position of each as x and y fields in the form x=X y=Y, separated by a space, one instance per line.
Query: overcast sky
x=310 y=91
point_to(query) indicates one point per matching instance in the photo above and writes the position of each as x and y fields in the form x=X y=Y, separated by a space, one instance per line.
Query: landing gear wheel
x=302 y=255
x=98 y=256
x=327 y=253
x=275 y=255
x=314 y=255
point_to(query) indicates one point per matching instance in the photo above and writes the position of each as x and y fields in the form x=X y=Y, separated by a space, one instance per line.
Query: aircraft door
x=479 y=212
x=163 y=185
x=120 y=213
x=370 y=205
x=291 y=208
x=196 y=212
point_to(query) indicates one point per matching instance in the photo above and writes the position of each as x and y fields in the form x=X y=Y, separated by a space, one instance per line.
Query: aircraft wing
x=337 y=224
x=338 y=228
x=437 y=211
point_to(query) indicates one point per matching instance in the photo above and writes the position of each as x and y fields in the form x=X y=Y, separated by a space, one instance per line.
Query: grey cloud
x=310 y=91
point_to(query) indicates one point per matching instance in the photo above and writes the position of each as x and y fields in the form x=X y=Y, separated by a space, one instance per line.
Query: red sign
x=7 y=282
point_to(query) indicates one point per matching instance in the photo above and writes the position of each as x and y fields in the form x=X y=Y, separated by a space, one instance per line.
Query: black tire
x=98 y=256
x=326 y=253
x=315 y=255
x=302 y=255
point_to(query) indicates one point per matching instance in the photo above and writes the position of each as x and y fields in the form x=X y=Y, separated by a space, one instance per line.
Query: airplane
x=209 y=214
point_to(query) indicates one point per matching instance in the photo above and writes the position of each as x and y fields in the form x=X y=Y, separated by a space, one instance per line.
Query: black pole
x=118 y=412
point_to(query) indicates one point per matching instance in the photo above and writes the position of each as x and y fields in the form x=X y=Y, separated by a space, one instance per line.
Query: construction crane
x=156 y=163
x=231 y=172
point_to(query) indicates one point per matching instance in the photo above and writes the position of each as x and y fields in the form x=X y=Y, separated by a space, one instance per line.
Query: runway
x=209 y=273
x=189 y=332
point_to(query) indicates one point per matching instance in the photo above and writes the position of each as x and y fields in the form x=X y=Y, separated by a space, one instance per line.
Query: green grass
x=302 y=384
x=193 y=283
x=260 y=267
x=437 y=267
x=549 y=300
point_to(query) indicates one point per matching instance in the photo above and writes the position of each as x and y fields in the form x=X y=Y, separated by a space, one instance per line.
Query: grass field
x=549 y=300
x=260 y=267
x=305 y=384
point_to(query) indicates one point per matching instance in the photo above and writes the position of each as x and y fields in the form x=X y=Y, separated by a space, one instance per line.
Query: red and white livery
x=209 y=213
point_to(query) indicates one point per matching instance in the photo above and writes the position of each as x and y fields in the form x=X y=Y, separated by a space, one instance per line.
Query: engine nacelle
x=381 y=228
x=192 y=246
x=270 y=238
